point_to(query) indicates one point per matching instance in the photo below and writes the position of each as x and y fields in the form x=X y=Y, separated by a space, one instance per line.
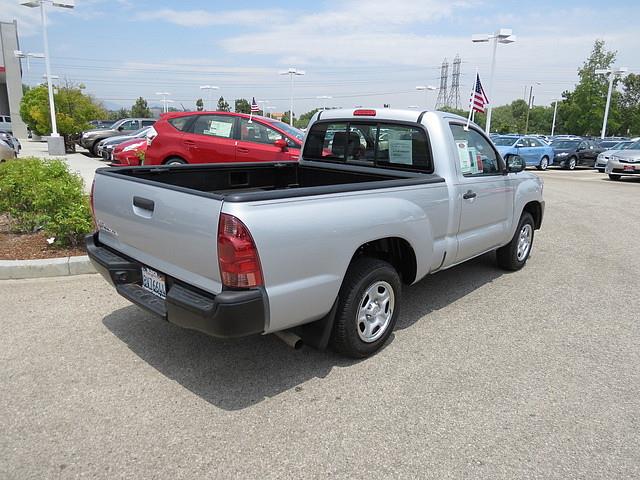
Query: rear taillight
x=237 y=254
x=93 y=210
x=151 y=135
x=364 y=112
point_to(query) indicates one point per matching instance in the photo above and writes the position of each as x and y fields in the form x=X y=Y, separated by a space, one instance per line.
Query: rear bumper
x=228 y=314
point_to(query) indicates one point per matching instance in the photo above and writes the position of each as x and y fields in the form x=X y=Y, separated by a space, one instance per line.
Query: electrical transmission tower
x=442 y=92
x=454 y=94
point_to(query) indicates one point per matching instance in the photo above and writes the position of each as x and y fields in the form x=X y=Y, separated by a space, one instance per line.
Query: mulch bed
x=14 y=246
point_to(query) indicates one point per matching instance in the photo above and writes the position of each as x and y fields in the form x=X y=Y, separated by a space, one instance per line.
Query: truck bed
x=265 y=181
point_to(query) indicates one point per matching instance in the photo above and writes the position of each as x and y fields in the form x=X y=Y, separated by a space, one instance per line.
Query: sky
x=357 y=52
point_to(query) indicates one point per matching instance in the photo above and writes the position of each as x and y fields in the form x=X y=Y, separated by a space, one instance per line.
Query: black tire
x=544 y=163
x=572 y=163
x=508 y=256
x=614 y=177
x=600 y=170
x=363 y=274
x=175 y=161
x=94 y=149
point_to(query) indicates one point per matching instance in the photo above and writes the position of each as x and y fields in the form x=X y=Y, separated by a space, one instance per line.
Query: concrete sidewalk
x=80 y=162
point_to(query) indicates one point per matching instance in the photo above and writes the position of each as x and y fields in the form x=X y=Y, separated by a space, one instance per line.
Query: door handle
x=469 y=195
x=143 y=203
x=243 y=150
x=189 y=143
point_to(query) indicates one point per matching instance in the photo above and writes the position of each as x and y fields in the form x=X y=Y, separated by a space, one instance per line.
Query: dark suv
x=574 y=152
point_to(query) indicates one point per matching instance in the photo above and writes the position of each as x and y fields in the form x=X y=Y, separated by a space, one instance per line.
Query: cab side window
x=476 y=156
x=213 y=125
x=129 y=125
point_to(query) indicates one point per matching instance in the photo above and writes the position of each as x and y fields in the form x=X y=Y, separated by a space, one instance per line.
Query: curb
x=48 y=267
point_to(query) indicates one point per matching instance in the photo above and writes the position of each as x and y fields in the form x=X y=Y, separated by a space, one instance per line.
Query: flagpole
x=473 y=89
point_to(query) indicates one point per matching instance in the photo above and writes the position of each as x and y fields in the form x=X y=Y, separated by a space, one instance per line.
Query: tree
x=118 y=114
x=285 y=117
x=223 y=106
x=242 y=106
x=582 y=110
x=140 y=109
x=199 y=105
x=74 y=109
x=304 y=119
x=630 y=105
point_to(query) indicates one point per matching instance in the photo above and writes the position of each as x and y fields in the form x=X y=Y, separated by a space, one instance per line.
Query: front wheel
x=515 y=254
x=572 y=163
x=544 y=163
x=613 y=176
x=368 y=307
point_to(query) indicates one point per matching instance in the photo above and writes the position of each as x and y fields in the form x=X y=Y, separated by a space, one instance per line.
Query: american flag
x=254 y=106
x=478 y=98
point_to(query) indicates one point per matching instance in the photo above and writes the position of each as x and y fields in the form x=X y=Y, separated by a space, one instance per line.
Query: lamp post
x=613 y=73
x=27 y=55
x=268 y=108
x=529 y=107
x=264 y=107
x=501 y=36
x=324 y=99
x=426 y=89
x=164 y=96
x=56 y=147
x=210 y=88
x=553 y=123
x=292 y=72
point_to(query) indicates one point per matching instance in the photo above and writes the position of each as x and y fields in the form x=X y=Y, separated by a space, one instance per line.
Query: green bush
x=43 y=195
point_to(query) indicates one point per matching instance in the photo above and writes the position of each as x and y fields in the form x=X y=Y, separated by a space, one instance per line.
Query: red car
x=130 y=152
x=220 y=137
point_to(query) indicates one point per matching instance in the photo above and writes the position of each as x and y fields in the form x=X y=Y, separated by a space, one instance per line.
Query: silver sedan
x=622 y=163
x=6 y=152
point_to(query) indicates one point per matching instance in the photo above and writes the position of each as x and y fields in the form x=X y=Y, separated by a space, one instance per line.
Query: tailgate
x=172 y=231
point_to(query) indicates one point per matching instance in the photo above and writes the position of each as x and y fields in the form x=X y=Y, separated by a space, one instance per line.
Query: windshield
x=292 y=131
x=565 y=143
x=609 y=144
x=631 y=146
x=139 y=133
x=504 y=141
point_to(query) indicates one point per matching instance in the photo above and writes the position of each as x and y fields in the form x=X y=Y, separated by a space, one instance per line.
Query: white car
x=6 y=152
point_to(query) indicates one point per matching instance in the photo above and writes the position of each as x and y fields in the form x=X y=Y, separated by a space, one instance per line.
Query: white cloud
x=203 y=18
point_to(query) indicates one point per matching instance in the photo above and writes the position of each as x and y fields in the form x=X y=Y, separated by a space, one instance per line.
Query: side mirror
x=281 y=143
x=120 y=128
x=520 y=145
x=515 y=163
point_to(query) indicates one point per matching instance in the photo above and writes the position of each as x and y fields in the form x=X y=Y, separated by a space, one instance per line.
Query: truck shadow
x=237 y=373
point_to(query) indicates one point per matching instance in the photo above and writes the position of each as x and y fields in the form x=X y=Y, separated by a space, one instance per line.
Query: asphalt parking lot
x=533 y=374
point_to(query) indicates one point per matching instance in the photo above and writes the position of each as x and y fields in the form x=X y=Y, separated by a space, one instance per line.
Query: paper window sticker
x=401 y=152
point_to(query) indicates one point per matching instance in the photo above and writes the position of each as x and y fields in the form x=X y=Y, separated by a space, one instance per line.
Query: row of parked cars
x=194 y=137
x=569 y=152
x=222 y=137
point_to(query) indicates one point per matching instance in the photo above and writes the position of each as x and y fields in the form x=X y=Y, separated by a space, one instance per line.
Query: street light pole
x=324 y=99
x=501 y=36
x=426 y=89
x=553 y=124
x=292 y=72
x=613 y=72
x=164 y=96
x=264 y=107
x=529 y=107
x=210 y=88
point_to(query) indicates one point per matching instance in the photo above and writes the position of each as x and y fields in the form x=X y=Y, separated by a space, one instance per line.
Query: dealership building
x=11 y=78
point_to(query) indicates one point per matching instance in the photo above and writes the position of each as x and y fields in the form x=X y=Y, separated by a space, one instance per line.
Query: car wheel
x=601 y=170
x=614 y=177
x=368 y=307
x=544 y=163
x=515 y=254
x=571 y=164
x=94 y=149
x=175 y=161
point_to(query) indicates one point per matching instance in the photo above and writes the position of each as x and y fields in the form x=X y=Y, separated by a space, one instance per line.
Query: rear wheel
x=571 y=163
x=544 y=163
x=94 y=149
x=367 y=308
x=615 y=177
x=175 y=161
x=601 y=170
x=515 y=254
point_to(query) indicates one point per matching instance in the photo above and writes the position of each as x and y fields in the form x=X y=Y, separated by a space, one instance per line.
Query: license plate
x=154 y=282
x=629 y=168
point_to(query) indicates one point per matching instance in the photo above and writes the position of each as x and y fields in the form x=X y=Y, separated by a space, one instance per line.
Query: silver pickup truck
x=316 y=250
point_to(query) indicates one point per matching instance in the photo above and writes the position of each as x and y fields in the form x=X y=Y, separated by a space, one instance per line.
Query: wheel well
x=397 y=251
x=172 y=157
x=535 y=209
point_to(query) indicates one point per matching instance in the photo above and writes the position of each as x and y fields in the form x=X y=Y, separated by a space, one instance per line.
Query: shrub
x=43 y=195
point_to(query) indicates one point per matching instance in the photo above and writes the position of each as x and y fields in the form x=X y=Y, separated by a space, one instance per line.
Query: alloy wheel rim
x=544 y=164
x=524 y=242
x=375 y=311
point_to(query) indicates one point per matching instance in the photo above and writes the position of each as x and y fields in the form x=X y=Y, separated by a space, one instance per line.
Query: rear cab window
x=379 y=144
